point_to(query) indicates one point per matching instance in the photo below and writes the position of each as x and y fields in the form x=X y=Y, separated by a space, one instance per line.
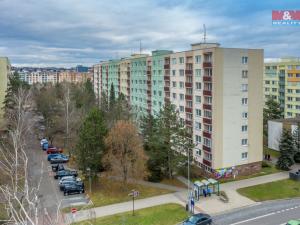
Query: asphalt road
x=39 y=169
x=267 y=213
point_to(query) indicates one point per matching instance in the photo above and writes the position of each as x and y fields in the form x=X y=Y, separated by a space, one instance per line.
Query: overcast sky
x=71 y=32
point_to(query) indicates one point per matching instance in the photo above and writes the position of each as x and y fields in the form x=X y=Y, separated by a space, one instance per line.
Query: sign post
x=134 y=194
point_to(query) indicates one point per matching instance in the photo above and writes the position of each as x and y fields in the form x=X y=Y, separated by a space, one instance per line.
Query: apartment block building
x=73 y=77
x=5 y=69
x=217 y=92
x=282 y=83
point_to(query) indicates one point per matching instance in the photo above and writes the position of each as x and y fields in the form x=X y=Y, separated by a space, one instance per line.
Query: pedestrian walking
x=192 y=205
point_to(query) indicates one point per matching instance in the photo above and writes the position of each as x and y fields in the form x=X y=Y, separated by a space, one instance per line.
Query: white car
x=68 y=178
x=43 y=141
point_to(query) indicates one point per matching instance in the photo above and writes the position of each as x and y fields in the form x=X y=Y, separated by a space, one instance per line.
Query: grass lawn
x=173 y=182
x=273 y=153
x=168 y=214
x=106 y=192
x=273 y=190
x=3 y=215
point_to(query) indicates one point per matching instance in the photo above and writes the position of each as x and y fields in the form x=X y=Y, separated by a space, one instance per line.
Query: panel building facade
x=218 y=94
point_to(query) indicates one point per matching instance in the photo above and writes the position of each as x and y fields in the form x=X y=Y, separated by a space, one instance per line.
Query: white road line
x=254 y=218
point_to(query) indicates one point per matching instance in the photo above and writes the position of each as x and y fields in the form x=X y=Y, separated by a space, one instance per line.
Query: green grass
x=271 y=152
x=3 y=214
x=168 y=214
x=106 y=192
x=273 y=190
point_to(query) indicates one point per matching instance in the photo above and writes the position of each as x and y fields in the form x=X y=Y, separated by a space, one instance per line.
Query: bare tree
x=125 y=152
x=21 y=199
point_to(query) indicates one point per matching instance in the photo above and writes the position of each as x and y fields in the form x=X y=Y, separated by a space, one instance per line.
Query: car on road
x=67 y=178
x=293 y=222
x=65 y=183
x=198 y=219
x=53 y=150
x=52 y=156
x=73 y=189
x=58 y=167
x=64 y=173
x=59 y=159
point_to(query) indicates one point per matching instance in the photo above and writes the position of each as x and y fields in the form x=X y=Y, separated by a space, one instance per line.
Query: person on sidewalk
x=192 y=205
x=204 y=193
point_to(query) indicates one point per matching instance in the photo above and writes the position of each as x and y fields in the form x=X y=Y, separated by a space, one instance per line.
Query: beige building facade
x=4 y=73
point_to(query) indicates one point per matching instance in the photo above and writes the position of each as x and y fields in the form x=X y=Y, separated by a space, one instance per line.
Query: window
x=207 y=156
x=181 y=60
x=244 y=142
x=181 y=108
x=290 y=98
x=173 y=61
x=290 y=67
x=198 y=151
x=208 y=128
x=244 y=155
x=198 y=112
x=207 y=100
x=154 y=92
x=244 y=87
x=174 y=95
x=245 y=74
x=198 y=59
x=207 y=142
x=267 y=82
x=245 y=115
x=290 y=75
x=198 y=99
x=198 y=139
x=198 y=85
x=181 y=72
x=173 y=72
x=244 y=59
x=189 y=104
x=174 y=84
x=159 y=93
x=181 y=84
x=197 y=126
x=244 y=101
x=197 y=72
x=207 y=113
x=290 y=90
x=181 y=96
x=244 y=128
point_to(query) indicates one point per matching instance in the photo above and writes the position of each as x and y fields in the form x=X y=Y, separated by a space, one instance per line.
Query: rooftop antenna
x=140 y=46
x=204 y=34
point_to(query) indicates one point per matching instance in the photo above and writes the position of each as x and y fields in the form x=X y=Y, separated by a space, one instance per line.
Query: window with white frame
x=207 y=114
x=181 y=72
x=198 y=59
x=198 y=86
x=173 y=61
x=198 y=112
x=174 y=84
x=244 y=59
x=198 y=151
x=245 y=115
x=244 y=87
x=174 y=95
x=181 y=60
x=198 y=99
x=197 y=72
x=207 y=142
x=198 y=139
x=181 y=97
x=181 y=108
x=244 y=101
x=197 y=125
x=174 y=72
x=244 y=141
x=244 y=128
x=244 y=155
x=244 y=73
x=181 y=84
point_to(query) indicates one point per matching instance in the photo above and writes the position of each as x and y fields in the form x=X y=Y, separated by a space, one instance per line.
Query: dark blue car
x=59 y=159
x=50 y=156
x=198 y=219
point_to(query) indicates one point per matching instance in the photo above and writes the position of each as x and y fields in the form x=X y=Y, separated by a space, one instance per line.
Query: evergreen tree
x=112 y=97
x=272 y=110
x=103 y=102
x=296 y=137
x=286 y=147
x=90 y=146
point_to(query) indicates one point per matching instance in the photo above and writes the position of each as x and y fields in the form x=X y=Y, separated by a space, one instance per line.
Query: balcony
x=206 y=64
x=207 y=79
x=206 y=134
x=148 y=72
x=206 y=106
x=166 y=78
x=166 y=89
x=167 y=66
x=188 y=72
x=208 y=93
x=188 y=97
x=149 y=101
x=148 y=92
x=167 y=100
x=188 y=110
x=207 y=120
x=188 y=123
x=206 y=162
x=149 y=82
x=188 y=84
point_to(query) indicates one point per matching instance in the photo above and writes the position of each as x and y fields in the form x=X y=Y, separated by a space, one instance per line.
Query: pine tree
x=272 y=110
x=90 y=146
x=286 y=147
x=112 y=97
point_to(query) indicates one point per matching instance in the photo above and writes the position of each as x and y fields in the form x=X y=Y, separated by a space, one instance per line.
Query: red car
x=53 y=150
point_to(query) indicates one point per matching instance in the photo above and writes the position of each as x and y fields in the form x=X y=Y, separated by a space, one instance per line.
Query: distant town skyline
x=70 y=32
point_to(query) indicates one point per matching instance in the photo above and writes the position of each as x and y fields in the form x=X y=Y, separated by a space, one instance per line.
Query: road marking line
x=254 y=218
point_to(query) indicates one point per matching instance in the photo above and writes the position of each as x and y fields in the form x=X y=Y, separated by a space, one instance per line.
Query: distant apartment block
x=4 y=73
x=73 y=77
x=217 y=92
x=282 y=83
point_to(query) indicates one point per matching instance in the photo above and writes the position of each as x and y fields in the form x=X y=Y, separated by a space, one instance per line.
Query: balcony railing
x=188 y=84
x=167 y=66
x=149 y=82
x=207 y=78
x=207 y=120
x=167 y=89
x=188 y=72
x=188 y=110
x=188 y=97
x=206 y=64
x=148 y=72
x=206 y=162
x=188 y=123
x=206 y=134
x=206 y=148
x=208 y=93
x=206 y=106
x=166 y=77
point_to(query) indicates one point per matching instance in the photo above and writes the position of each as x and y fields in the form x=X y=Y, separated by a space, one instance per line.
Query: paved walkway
x=211 y=205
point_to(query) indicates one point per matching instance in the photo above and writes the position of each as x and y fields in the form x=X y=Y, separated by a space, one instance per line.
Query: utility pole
x=188 y=193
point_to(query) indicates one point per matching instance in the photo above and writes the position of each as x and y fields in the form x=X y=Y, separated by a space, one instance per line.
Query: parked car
x=58 y=167
x=59 y=159
x=53 y=150
x=198 y=219
x=293 y=222
x=64 y=173
x=73 y=188
x=67 y=178
x=52 y=156
x=65 y=183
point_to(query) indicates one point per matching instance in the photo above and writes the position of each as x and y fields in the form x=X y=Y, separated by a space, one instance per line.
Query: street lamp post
x=188 y=193
x=90 y=179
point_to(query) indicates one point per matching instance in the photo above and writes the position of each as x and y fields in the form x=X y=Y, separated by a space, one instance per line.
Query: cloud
x=70 y=32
